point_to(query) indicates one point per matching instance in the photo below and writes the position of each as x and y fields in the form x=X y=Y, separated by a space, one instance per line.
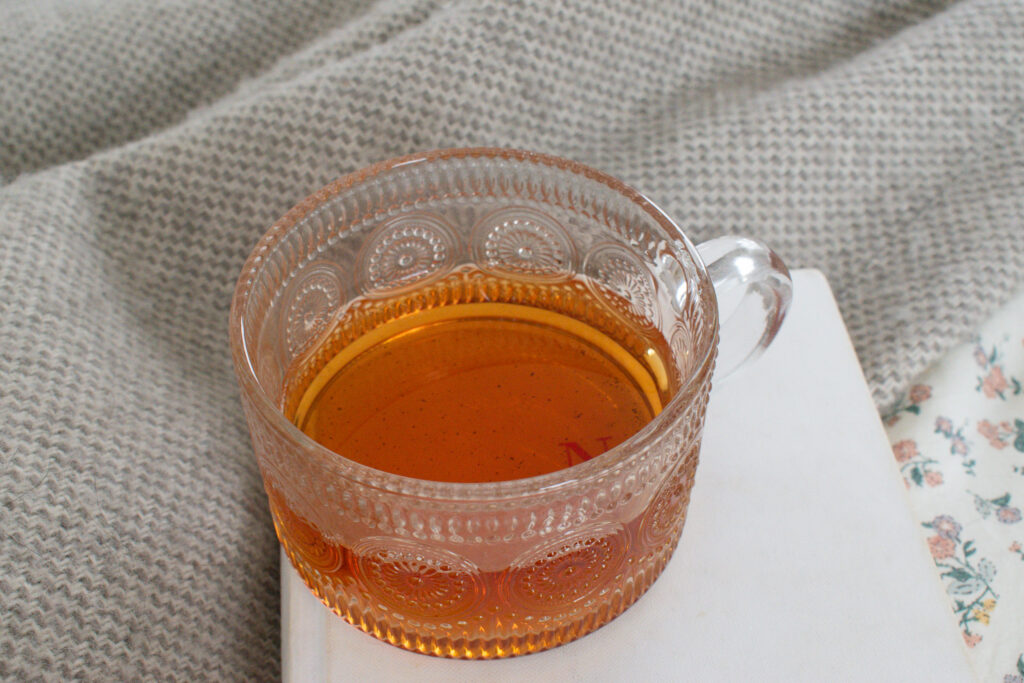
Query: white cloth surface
x=958 y=439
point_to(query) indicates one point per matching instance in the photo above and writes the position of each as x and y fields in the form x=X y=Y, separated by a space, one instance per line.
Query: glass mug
x=478 y=568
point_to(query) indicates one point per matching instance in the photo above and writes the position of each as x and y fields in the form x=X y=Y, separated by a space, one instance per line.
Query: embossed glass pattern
x=479 y=570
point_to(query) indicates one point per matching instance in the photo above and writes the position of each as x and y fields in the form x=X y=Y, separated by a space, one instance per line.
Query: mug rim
x=536 y=485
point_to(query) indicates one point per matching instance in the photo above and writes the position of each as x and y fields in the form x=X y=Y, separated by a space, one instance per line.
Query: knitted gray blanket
x=145 y=147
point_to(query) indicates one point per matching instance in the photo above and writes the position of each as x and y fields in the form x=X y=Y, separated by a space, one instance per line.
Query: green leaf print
x=958 y=574
x=969 y=587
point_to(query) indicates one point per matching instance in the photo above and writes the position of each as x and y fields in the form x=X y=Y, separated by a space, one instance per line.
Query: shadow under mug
x=480 y=570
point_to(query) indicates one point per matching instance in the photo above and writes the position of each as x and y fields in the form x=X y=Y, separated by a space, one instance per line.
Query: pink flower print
x=946 y=527
x=1015 y=547
x=958 y=444
x=933 y=478
x=1008 y=515
x=995 y=384
x=980 y=357
x=971 y=639
x=904 y=450
x=991 y=432
x=940 y=547
x=920 y=393
x=1013 y=678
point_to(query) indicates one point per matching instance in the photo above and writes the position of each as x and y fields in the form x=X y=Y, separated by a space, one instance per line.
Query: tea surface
x=479 y=392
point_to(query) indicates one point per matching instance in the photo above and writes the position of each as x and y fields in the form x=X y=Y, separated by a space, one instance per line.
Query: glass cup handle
x=753 y=288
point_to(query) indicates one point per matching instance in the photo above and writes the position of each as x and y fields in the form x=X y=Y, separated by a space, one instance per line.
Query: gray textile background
x=145 y=146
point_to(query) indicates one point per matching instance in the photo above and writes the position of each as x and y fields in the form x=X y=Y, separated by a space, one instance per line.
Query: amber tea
x=481 y=392
x=481 y=379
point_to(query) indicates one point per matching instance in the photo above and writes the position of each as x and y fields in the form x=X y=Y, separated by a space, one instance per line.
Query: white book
x=799 y=561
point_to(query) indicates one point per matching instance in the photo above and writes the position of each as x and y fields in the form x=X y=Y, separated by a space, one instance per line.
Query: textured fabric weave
x=145 y=147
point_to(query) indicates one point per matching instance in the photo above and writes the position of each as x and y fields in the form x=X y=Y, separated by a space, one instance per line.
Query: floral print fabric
x=958 y=440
